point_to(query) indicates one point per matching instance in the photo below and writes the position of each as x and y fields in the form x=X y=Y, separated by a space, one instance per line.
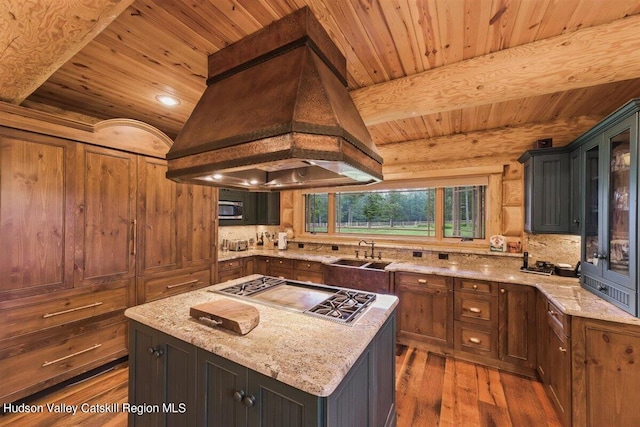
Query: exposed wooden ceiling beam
x=419 y=158
x=36 y=38
x=588 y=57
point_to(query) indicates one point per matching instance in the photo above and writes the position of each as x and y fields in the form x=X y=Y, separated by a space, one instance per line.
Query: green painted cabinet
x=546 y=190
x=208 y=390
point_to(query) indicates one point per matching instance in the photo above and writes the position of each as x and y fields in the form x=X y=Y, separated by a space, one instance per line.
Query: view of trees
x=407 y=212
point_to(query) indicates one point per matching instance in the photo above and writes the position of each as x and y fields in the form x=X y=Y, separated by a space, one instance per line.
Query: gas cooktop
x=327 y=302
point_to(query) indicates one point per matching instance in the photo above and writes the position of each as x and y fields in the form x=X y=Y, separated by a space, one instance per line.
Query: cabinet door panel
x=199 y=217
x=36 y=202
x=425 y=313
x=158 y=228
x=517 y=315
x=105 y=216
x=221 y=379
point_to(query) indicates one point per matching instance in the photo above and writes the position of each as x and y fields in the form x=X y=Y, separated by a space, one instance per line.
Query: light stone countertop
x=303 y=351
x=565 y=292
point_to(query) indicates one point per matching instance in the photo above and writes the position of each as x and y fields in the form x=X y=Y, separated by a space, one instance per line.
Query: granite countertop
x=565 y=292
x=305 y=352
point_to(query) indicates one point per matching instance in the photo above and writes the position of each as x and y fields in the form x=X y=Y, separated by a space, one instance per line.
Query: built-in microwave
x=229 y=210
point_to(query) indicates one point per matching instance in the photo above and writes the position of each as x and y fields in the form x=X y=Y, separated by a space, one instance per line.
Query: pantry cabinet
x=90 y=231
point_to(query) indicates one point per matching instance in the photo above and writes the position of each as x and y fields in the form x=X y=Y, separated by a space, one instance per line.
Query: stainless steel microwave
x=229 y=210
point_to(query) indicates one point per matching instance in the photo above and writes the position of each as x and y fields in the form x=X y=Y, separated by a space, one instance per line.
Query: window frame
x=493 y=210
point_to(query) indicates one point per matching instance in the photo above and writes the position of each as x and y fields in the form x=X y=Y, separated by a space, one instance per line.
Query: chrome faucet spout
x=372 y=243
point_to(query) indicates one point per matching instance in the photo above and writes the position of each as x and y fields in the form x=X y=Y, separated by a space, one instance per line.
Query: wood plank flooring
x=431 y=391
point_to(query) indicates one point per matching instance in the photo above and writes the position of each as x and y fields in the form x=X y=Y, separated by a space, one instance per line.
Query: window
x=316 y=212
x=408 y=213
x=464 y=212
x=436 y=212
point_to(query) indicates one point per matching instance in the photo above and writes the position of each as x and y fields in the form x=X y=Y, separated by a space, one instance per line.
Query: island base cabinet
x=606 y=374
x=214 y=391
x=162 y=377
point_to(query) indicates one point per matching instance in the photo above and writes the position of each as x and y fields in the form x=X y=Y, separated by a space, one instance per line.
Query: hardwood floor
x=431 y=391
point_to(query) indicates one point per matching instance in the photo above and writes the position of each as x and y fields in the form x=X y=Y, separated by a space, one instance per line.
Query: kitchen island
x=292 y=369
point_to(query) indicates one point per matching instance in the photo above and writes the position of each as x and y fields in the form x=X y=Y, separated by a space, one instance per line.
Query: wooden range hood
x=276 y=115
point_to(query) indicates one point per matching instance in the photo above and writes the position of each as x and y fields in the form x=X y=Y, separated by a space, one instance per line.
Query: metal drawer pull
x=562 y=349
x=422 y=280
x=134 y=236
x=190 y=282
x=552 y=313
x=58 y=313
x=475 y=340
x=45 y=364
x=475 y=287
x=475 y=310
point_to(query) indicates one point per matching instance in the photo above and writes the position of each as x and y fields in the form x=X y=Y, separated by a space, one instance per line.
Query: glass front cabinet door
x=609 y=241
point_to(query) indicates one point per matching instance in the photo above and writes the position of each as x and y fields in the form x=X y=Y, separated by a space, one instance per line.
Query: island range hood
x=275 y=115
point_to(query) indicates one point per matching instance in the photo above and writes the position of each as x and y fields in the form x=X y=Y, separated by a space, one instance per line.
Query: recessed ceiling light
x=253 y=182
x=168 y=100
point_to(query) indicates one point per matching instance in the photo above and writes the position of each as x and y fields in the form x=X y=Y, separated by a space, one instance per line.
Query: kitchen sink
x=351 y=262
x=358 y=274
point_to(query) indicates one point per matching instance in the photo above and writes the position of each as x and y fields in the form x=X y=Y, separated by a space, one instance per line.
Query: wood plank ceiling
x=422 y=72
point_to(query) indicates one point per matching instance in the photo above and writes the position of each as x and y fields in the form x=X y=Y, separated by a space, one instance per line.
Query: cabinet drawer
x=229 y=264
x=476 y=339
x=476 y=286
x=56 y=311
x=278 y=271
x=161 y=287
x=28 y=368
x=404 y=278
x=558 y=320
x=481 y=309
x=308 y=276
x=307 y=265
x=281 y=262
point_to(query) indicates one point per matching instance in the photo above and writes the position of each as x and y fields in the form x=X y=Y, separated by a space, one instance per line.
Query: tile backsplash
x=555 y=248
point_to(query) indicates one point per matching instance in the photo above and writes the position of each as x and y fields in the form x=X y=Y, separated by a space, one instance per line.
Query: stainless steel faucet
x=372 y=243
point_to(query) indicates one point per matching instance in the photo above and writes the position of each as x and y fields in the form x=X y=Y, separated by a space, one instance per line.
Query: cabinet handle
x=423 y=281
x=552 y=313
x=134 y=238
x=190 y=282
x=249 y=401
x=475 y=310
x=562 y=349
x=267 y=261
x=502 y=291
x=475 y=287
x=239 y=395
x=280 y=262
x=58 y=313
x=308 y=265
x=475 y=340
x=77 y=353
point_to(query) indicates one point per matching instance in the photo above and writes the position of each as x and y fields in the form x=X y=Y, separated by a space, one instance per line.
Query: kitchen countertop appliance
x=282 y=241
x=238 y=245
x=328 y=302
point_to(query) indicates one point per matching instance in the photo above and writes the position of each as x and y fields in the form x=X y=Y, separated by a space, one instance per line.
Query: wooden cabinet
x=164 y=369
x=91 y=231
x=307 y=271
x=174 y=233
x=517 y=325
x=606 y=373
x=476 y=317
x=36 y=213
x=554 y=356
x=230 y=269
x=215 y=391
x=281 y=267
x=546 y=190
x=34 y=361
x=425 y=309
